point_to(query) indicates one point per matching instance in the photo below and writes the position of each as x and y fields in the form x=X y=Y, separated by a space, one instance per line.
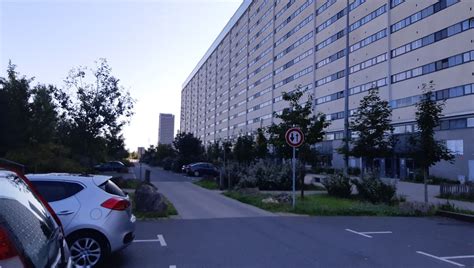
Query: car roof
x=84 y=178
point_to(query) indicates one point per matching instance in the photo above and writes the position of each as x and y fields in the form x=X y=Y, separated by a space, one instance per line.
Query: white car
x=95 y=213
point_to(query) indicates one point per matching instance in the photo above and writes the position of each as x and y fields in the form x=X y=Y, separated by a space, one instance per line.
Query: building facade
x=166 y=129
x=270 y=47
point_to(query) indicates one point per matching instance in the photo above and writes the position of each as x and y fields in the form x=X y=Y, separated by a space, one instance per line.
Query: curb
x=455 y=215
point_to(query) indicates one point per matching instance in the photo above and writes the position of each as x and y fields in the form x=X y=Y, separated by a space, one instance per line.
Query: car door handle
x=65 y=212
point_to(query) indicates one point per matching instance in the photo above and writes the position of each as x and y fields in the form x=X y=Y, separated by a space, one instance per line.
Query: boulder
x=283 y=198
x=148 y=199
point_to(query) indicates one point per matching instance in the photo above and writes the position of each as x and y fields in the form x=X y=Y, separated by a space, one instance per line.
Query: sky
x=151 y=45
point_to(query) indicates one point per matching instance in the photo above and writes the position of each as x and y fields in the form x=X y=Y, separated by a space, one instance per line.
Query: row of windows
x=259 y=69
x=260 y=44
x=285 y=8
x=263 y=54
x=331 y=58
x=264 y=28
x=330 y=78
x=261 y=19
x=331 y=20
x=437 y=95
x=381 y=10
x=369 y=40
x=294 y=61
x=294 y=45
x=261 y=80
x=330 y=40
x=294 y=77
x=258 y=9
x=260 y=93
x=368 y=63
x=294 y=30
x=332 y=97
x=292 y=16
x=434 y=66
x=394 y=3
x=424 y=13
x=325 y=6
x=258 y=119
x=367 y=86
x=434 y=37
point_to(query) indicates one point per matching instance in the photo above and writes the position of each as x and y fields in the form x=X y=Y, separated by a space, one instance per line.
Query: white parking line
x=172 y=266
x=160 y=239
x=445 y=259
x=366 y=234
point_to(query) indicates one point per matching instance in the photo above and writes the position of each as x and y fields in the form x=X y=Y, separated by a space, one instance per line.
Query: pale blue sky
x=152 y=46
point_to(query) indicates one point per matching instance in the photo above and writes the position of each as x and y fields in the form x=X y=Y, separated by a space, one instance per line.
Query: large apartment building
x=270 y=47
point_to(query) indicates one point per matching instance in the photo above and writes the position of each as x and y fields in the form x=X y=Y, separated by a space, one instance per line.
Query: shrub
x=266 y=175
x=374 y=190
x=338 y=185
x=355 y=171
x=167 y=163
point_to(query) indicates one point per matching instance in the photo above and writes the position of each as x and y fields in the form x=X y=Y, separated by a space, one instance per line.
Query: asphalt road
x=226 y=235
x=300 y=242
x=194 y=202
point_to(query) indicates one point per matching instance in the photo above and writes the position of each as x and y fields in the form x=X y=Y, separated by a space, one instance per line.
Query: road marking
x=172 y=266
x=160 y=239
x=362 y=234
x=445 y=259
x=459 y=257
x=381 y=232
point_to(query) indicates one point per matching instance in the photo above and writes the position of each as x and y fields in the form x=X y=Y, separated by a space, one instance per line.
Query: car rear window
x=54 y=191
x=112 y=188
x=30 y=224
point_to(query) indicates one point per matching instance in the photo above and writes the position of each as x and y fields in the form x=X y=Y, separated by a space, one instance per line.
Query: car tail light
x=7 y=249
x=115 y=203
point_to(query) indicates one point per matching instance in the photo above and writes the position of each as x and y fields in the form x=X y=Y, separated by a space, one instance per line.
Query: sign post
x=295 y=138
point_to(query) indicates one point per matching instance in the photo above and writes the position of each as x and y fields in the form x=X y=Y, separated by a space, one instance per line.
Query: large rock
x=147 y=199
x=283 y=198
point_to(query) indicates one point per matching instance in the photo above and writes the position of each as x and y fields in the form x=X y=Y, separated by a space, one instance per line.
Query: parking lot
x=300 y=242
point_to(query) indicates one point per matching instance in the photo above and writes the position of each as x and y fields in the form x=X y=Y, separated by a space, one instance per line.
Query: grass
x=208 y=184
x=322 y=205
x=170 y=211
x=452 y=208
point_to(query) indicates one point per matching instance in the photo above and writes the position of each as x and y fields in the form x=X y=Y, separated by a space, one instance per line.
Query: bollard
x=147 y=176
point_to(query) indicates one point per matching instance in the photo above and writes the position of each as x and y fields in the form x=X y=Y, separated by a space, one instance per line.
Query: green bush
x=355 y=171
x=167 y=163
x=338 y=185
x=266 y=175
x=374 y=190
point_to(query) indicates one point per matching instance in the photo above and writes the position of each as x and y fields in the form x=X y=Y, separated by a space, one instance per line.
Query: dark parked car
x=201 y=169
x=30 y=233
x=116 y=166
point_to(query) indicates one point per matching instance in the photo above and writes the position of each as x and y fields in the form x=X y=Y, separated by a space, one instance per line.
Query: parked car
x=185 y=168
x=200 y=169
x=30 y=233
x=95 y=212
x=115 y=166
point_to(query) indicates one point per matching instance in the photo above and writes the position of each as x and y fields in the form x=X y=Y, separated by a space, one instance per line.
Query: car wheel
x=196 y=173
x=87 y=249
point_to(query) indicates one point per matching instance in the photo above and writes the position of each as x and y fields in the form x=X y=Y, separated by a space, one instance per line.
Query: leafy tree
x=428 y=151
x=301 y=116
x=95 y=112
x=213 y=151
x=15 y=92
x=372 y=123
x=261 y=144
x=188 y=147
x=163 y=151
x=243 y=150
x=43 y=122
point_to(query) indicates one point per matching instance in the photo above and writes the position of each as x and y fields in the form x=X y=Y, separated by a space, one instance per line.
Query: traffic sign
x=294 y=137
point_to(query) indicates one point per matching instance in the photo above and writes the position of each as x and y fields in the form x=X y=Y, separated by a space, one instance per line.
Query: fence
x=457 y=189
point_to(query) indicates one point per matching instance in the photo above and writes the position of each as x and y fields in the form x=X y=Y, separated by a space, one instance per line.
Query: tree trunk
x=425 y=181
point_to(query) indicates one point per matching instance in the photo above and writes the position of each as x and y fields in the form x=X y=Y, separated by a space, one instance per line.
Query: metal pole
x=346 y=96
x=140 y=171
x=294 y=178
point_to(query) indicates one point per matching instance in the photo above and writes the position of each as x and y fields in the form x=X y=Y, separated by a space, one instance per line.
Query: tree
x=301 y=116
x=43 y=122
x=213 y=152
x=163 y=151
x=188 y=147
x=95 y=112
x=372 y=125
x=15 y=112
x=261 y=144
x=428 y=151
x=243 y=150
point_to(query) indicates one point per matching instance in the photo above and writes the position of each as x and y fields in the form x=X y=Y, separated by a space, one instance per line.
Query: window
x=294 y=30
x=55 y=191
x=294 y=45
x=381 y=10
x=455 y=146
